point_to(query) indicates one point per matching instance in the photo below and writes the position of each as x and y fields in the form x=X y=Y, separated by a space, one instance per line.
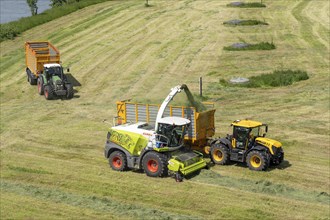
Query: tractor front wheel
x=219 y=154
x=257 y=160
x=118 y=161
x=48 y=92
x=155 y=164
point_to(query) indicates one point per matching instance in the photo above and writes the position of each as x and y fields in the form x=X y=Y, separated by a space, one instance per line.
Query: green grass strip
x=246 y=5
x=250 y=22
x=276 y=79
x=244 y=46
x=13 y=29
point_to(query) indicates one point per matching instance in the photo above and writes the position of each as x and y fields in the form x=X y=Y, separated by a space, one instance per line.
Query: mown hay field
x=52 y=163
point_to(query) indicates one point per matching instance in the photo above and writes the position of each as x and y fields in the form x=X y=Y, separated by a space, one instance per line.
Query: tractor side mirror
x=68 y=70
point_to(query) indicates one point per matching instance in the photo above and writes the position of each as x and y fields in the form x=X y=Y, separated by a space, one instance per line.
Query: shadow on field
x=72 y=80
x=285 y=164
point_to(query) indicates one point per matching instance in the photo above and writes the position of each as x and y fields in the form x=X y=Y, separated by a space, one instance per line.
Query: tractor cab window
x=54 y=71
x=171 y=135
x=241 y=135
x=254 y=133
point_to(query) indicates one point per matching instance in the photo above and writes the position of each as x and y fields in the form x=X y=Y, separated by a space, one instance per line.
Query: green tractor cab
x=53 y=82
x=248 y=144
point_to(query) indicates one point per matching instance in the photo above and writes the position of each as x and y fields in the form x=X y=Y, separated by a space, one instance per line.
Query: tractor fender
x=44 y=79
x=219 y=140
x=225 y=142
x=111 y=147
x=258 y=148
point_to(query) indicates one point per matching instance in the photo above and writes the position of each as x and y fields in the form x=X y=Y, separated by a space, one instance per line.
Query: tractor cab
x=171 y=131
x=53 y=69
x=245 y=133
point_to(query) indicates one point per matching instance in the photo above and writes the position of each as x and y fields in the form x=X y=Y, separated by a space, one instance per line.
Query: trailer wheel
x=31 y=80
x=155 y=164
x=40 y=84
x=257 y=160
x=219 y=154
x=69 y=91
x=48 y=92
x=118 y=161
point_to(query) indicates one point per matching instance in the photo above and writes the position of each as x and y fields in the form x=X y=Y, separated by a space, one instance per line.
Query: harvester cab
x=248 y=144
x=171 y=131
x=158 y=150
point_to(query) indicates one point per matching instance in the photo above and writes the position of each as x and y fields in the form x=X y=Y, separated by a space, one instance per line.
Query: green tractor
x=247 y=144
x=158 y=150
x=53 y=82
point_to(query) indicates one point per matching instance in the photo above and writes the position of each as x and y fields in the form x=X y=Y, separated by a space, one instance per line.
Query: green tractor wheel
x=219 y=154
x=48 y=92
x=118 y=161
x=40 y=84
x=257 y=160
x=155 y=164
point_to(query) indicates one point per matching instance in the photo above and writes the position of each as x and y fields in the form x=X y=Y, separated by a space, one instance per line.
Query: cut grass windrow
x=97 y=203
x=262 y=186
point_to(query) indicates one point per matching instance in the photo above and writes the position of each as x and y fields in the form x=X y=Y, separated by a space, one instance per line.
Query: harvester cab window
x=241 y=135
x=171 y=134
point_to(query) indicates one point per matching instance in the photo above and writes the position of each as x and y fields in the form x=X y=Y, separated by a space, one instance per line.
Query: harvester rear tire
x=155 y=164
x=40 y=84
x=69 y=91
x=48 y=92
x=118 y=161
x=219 y=154
x=257 y=160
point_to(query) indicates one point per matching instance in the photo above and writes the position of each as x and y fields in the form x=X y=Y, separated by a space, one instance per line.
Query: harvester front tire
x=155 y=164
x=48 y=92
x=118 y=161
x=219 y=154
x=40 y=84
x=257 y=160
x=69 y=91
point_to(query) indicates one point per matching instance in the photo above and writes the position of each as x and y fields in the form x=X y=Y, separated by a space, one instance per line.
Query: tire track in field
x=307 y=32
x=320 y=20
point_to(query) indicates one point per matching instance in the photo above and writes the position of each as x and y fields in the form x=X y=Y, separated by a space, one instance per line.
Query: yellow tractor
x=247 y=144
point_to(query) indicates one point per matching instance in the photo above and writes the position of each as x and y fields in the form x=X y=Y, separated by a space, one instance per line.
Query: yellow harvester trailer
x=38 y=53
x=202 y=123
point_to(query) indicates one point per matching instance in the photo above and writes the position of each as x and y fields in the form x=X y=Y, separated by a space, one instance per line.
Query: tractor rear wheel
x=40 y=86
x=118 y=161
x=69 y=91
x=48 y=92
x=219 y=154
x=155 y=164
x=257 y=160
